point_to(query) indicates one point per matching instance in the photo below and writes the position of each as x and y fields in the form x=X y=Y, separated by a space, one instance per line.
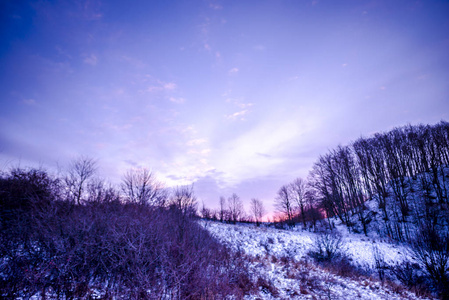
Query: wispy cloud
x=239 y=102
x=169 y=86
x=133 y=61
x=215 y=6
x=195 y=142
x=91 y=10
x=29 y=101
x=244 y=105
x=238 y=115
x=233 y=71
x=200 y=152
x=117 y=128
x=91 y=60
x=162 y=86
x=177 y=100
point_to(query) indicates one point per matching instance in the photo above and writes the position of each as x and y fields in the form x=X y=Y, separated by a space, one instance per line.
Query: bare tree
x=235 y=207
x=257 y=210
x=80 y=171
x=222 y=208
x=100 y=192
x=206 y=213
x=298 y=189
x=313 y=213
x=284 y=203
x=184 y=199
x=141 y=186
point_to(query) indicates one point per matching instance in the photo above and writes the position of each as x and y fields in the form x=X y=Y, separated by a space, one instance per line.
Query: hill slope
x=279 y=261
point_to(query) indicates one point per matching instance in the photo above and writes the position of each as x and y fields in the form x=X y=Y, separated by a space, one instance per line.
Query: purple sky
x=234 y=96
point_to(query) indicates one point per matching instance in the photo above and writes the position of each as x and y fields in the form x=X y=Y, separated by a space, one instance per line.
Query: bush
x=327 y=246
x=431 y=250
x=119 y=249
x=409 y=274
x=380 y=264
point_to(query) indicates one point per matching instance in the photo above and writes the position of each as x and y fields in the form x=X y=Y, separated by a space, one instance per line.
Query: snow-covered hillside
x=281 y=256
x=420 y=201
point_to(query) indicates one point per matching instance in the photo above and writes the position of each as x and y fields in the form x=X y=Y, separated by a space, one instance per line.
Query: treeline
x=400 y=169
x=405 y=171
x=231 y=210
x=74 y=236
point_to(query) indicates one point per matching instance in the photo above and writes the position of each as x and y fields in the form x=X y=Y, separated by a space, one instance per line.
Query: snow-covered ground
x=297 y=243
x=281 y=257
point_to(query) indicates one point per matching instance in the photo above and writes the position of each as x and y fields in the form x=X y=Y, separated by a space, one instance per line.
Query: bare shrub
x=239 y=274
x=98 y=191
x=266 y=246
x=380 y=264
x=343 y=266
x=285 y=260
x=409 y=274
x=267 y=287
x=431 y=250
x=127 y=250
x=328 y=251
x=327 y=246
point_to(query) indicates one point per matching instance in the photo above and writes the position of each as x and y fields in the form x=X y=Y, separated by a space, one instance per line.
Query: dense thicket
x=405 y=170
x=54 y=246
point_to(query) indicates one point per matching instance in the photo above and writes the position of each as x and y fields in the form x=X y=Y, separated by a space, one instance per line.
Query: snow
x=281 y=257
x=296 y=244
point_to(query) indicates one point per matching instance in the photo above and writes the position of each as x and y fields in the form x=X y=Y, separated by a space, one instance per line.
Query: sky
x=231 y=96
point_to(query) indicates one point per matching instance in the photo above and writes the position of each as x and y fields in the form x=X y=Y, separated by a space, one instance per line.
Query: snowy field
x=281 y=257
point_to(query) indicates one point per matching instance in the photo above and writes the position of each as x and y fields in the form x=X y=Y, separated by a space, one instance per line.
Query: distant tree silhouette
x=298 y=191
x=141 y=186
x=235 y=208
x=80 y=171
x=284 y=203
x=183 y=198
x=257 y=210
x=222 y=211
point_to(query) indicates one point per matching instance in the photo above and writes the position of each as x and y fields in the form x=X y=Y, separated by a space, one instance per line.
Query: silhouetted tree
x=222 y=211
x=298 y=191
x=80 y=171
x=235 y=208
x=141 y=186
x=257 y=210
x=183 y=198
x=284 y=203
